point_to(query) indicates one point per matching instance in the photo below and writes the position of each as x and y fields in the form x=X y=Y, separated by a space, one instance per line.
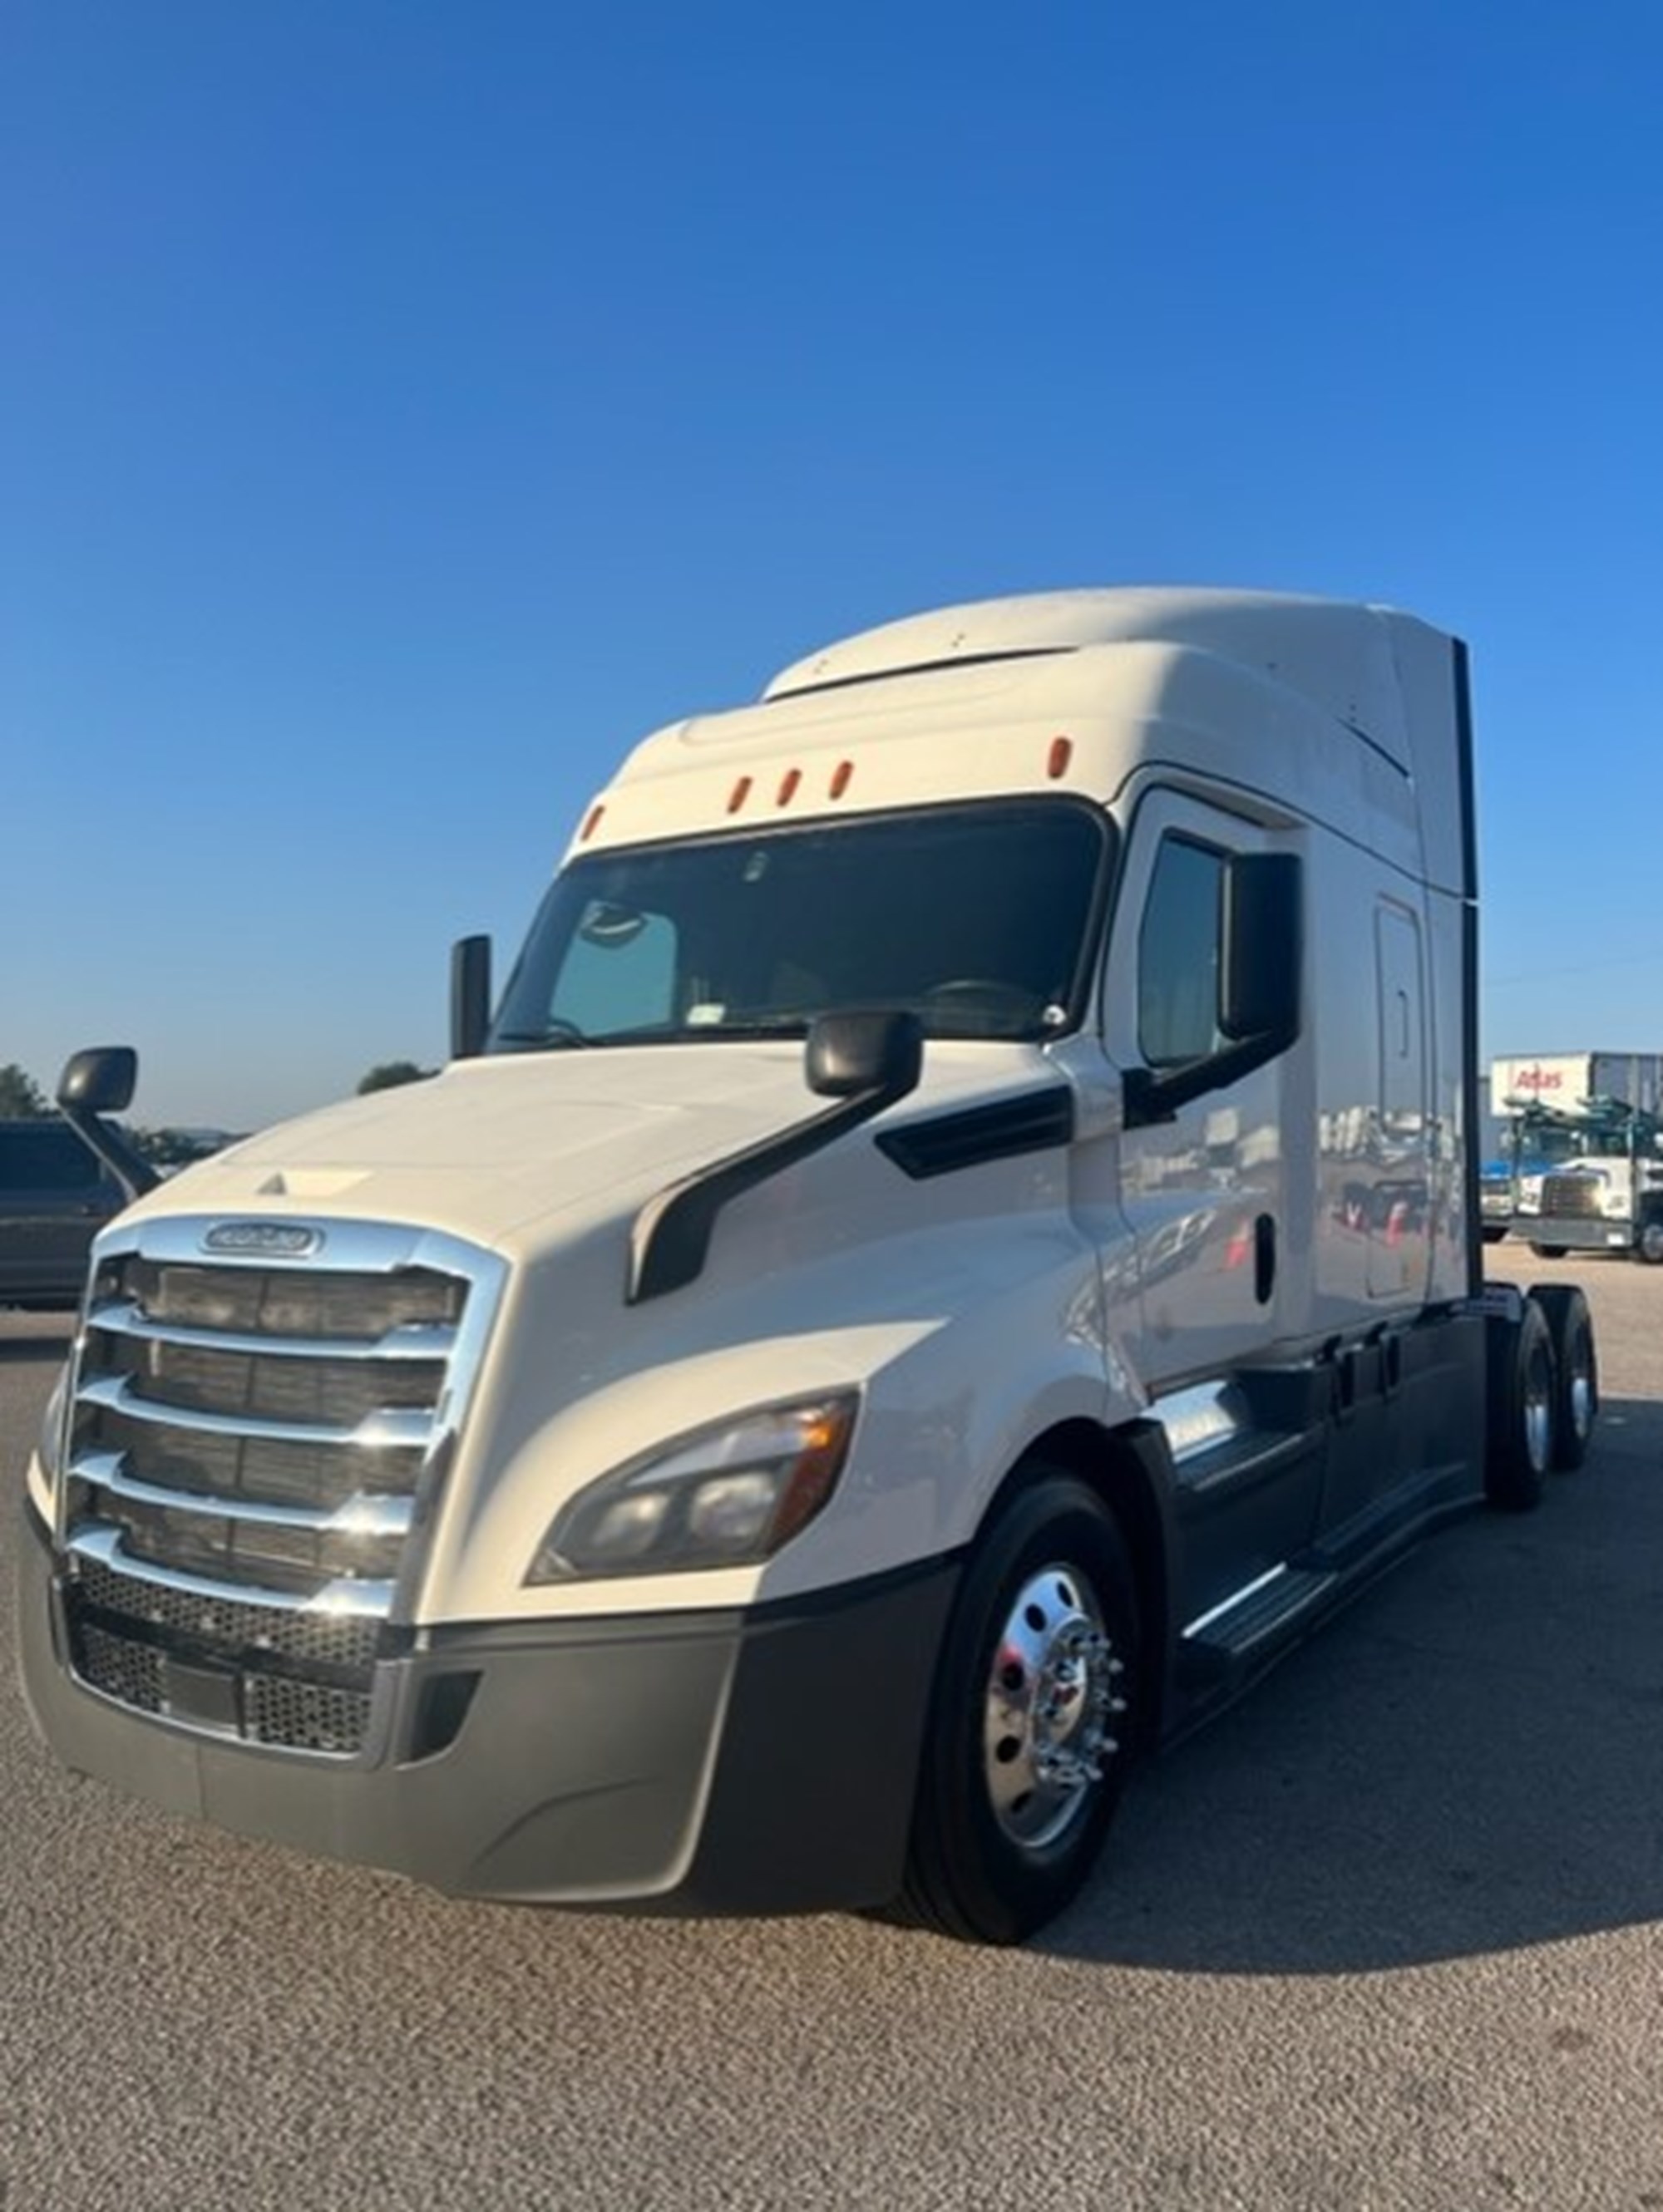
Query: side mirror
x=470 y=996
x=847 y=1054
x=1263 y=948
x=101 y=1080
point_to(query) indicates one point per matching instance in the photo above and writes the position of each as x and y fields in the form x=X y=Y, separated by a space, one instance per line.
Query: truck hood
x=499 y=1150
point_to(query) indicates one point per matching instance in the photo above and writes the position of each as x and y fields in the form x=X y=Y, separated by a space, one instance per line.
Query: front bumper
x=1575 y=1232
x=761 y=1761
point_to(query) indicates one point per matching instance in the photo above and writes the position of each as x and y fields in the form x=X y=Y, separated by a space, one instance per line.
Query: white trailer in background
x=1566 y=1079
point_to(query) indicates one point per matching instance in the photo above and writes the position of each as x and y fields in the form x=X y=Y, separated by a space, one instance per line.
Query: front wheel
x=1547 y=1251
x=1036 y=1706
x=1649 y=1244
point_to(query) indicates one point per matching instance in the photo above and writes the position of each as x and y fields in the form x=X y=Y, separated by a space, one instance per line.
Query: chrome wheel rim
x=1538 y=1414
x=1052 y=1694
x=1580 y=1394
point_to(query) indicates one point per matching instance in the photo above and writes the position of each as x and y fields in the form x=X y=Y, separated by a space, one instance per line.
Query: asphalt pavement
x=1385 y=1935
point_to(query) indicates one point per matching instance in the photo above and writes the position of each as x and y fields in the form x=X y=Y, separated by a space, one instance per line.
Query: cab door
x=1219 y=1224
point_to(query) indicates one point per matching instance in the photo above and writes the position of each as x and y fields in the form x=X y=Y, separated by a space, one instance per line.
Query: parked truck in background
x=956 y=1245
x=1583 y=1153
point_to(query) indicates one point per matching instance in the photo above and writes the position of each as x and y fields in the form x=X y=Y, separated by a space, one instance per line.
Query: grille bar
x=415 y=1340
x=101 y=1544
x=393 y=1427
x=364 y=1514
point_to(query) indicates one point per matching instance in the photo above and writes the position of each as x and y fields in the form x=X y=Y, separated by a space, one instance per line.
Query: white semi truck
x=1582 y=1167
x=957 y=1243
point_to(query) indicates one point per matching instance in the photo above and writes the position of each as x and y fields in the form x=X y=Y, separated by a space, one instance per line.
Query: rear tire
x=1038 y=1698
x=1548 y=1251
x=1518 y=1448
x=1575 y=1371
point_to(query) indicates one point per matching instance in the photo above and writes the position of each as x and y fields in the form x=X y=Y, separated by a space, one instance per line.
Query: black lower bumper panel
x=756 y=1761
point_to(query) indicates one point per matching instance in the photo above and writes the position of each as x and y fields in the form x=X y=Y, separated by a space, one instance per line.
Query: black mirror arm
x=672 y=1233
x=112 y=1150
x=1154 y=1095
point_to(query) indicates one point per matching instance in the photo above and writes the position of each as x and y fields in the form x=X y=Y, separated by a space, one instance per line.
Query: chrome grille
x=259 y=1301
x=251 y=1446
x=1574 y=1195
x=271 y=1386
x=219 y=1463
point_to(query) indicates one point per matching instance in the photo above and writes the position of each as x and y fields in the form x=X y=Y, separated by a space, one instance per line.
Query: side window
x=45 y=1156
x=619 y=972
x=1177 y=954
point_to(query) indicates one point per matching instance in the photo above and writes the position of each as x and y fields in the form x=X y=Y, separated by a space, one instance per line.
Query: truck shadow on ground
x=1464 y=1761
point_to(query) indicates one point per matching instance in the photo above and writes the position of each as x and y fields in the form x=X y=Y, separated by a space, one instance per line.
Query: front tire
x=1037 y=1699
x=1649 y=1244
x=1548 y=1251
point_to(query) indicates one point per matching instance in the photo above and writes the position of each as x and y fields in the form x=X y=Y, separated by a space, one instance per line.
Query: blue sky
x=404 y=407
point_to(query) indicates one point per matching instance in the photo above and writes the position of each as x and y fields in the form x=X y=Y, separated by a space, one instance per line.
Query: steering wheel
x=1003 y=1002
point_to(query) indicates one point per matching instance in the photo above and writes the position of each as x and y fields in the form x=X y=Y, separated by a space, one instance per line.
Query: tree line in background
x=21 y=1099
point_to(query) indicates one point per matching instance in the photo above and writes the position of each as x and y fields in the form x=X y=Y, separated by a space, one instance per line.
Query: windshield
x=977 y=918
x=1550 y=1144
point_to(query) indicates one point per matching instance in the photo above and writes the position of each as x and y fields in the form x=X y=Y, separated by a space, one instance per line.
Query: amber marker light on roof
x=788 y=790
x=591 y=823
x=1062 y=753
x=840 y=776
x=740 y=793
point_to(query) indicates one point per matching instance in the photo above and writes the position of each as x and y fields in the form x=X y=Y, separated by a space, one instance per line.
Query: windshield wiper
x=557 y=1032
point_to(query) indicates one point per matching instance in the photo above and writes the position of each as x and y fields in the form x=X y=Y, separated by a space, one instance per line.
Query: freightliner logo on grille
x=275 y=1240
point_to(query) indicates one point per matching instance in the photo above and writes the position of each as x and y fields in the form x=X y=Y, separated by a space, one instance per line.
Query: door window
x=1177 y=954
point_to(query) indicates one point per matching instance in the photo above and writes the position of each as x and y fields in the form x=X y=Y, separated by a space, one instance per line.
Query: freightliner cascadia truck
x=956 y=1244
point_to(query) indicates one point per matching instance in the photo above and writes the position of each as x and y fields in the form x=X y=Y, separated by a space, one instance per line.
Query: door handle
x=1264 y=1258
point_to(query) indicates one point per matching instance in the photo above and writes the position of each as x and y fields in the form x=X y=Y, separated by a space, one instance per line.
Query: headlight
x=727 y=1496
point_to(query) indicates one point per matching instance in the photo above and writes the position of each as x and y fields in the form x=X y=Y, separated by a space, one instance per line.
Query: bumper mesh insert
x=301 y=1682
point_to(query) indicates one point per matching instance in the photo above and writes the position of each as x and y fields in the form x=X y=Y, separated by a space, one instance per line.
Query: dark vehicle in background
x=54 y=1198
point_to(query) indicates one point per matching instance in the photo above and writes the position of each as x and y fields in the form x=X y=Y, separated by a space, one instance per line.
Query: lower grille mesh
x=130 y=1672
x=304 y=1715
x=297 y=1682
x=216 y=1625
